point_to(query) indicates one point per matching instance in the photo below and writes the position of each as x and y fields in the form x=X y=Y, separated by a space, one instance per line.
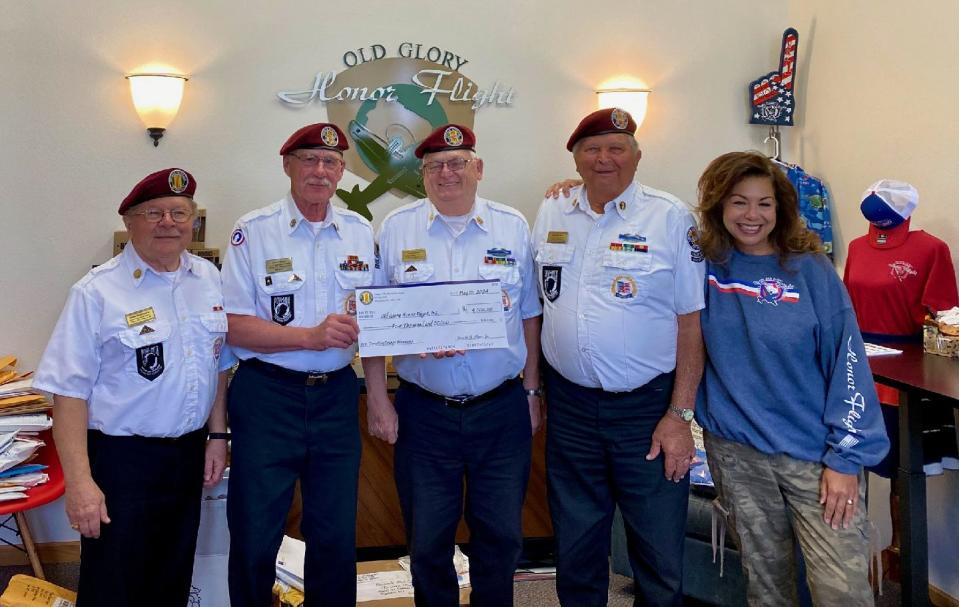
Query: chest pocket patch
x=282 y=308
x=150 y=361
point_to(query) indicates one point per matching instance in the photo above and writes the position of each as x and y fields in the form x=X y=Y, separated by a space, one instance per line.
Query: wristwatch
x=534 y=391
x=684 y=414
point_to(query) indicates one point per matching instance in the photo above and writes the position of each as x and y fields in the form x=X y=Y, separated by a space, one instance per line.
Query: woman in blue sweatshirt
x=787 y=401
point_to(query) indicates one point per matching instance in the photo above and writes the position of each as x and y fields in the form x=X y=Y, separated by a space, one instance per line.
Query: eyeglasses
x=156 y=215
x=312 y=160
x=455 y=165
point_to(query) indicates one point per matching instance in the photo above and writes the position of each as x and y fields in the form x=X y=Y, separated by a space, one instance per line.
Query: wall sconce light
x=156 y=98
x=633 y=100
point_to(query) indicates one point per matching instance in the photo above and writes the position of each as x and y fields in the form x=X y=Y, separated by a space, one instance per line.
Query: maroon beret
x=447 y=137
x=168 y=182
x=601 y=122
x=322 y=135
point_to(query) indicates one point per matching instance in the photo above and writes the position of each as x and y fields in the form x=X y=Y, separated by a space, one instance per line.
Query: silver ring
x=849 y=502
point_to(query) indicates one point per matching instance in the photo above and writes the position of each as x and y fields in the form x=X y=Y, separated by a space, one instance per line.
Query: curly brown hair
x=789 y=237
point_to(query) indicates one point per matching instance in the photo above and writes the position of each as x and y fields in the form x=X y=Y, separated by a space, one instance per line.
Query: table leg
x=912 y=504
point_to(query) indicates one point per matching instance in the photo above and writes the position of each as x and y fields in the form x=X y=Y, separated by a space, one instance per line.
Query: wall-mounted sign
x=387 y=105
x=772 y=100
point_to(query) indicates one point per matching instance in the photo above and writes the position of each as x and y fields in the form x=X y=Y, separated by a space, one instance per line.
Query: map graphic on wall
x=771 y=96
x=383 y=133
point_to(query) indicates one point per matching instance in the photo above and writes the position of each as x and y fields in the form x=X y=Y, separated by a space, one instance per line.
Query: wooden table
x=916 y=375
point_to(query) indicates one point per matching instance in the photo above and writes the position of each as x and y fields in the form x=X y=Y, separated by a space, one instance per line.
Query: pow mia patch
x=282 y=307
x=150 y=361
x=552 y=281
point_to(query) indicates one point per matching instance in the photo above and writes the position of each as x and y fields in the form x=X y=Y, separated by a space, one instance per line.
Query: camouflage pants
x=773 y=501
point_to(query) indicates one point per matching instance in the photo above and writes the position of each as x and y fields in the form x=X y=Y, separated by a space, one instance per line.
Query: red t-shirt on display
x=893 y=277
x=894 y=280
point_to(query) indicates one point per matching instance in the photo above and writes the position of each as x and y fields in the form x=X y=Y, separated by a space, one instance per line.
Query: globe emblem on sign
x=391 y=157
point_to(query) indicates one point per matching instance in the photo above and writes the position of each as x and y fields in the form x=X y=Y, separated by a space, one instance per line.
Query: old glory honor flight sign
x=388 y=105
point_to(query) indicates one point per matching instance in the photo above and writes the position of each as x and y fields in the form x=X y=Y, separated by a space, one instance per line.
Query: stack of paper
x=16 y=390
x=23 y=413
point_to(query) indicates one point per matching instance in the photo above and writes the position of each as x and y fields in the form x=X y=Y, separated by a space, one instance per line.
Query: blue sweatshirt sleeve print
x=856 y=433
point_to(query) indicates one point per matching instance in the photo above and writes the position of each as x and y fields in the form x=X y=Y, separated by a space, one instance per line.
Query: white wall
x=878 y=101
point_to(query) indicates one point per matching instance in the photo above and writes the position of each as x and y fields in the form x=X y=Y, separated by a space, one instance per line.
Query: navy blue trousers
x=153 y=486
x=596 y=448
x=488 y=446
x=283 y=430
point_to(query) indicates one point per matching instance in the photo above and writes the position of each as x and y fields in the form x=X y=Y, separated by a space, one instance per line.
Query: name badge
x=140 y=316
x=557 y=237
x=284 y=264
x=414 y=255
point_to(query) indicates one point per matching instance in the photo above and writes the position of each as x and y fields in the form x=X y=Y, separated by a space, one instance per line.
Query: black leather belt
x=306 y=378
x=464 y=401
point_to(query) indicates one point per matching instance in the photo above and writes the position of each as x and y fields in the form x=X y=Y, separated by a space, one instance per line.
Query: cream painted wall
x=878 y=101
x=72 y=146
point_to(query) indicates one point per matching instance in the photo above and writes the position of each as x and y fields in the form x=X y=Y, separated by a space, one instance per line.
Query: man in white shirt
x=137 y=366
x=461 y=415
x=288 y=282
x=622 y=282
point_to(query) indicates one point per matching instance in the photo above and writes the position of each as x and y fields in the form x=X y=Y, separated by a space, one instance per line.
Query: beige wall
x=878 y=92
x=72 y=145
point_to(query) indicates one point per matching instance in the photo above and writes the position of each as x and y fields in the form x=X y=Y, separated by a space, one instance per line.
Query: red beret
x=447 y=137
x=322 y=135
x=601 y=122
x=168 y=182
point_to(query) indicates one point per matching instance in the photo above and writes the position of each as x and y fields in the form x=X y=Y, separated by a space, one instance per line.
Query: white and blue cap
x=887 y=203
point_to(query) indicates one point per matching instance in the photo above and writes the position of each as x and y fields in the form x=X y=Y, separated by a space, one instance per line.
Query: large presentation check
x=430 y=317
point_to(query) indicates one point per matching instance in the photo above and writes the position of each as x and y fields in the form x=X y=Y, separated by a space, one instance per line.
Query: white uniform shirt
x=417 y=246
x=143 y=349
x=279 y=269
x=613 y=285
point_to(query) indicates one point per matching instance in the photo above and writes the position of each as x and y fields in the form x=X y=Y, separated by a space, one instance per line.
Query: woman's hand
x=840 y=495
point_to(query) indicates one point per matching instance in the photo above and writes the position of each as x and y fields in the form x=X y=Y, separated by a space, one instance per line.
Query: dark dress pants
x=152 y=486
x=596 y=449
x=283 y=429
x=488 y=446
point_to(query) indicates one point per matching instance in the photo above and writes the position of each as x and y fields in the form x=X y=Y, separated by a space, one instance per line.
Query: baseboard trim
x=52 y=552
x=940 y=599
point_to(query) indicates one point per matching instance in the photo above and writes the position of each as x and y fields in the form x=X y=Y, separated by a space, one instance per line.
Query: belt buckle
x=313 y=378
x=457 y=402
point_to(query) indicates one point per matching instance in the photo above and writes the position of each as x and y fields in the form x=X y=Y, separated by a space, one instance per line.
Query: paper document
x=383 y=585
x=877 y=350
x=431 y=317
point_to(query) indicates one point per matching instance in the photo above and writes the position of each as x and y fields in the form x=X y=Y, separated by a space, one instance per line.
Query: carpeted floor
x=525 y=594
